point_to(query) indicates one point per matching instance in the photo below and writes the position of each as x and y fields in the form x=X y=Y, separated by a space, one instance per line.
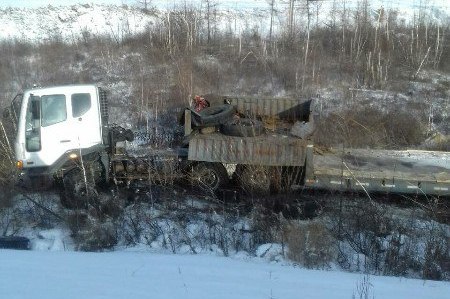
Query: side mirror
x=35 y=109
x=6 y=113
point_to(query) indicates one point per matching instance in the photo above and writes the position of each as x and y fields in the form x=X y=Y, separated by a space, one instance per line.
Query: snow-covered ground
x=140 y=274
x=71 y=22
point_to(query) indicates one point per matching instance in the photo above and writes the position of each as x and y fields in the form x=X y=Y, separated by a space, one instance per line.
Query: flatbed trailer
x=381 y=171
x=359 y=170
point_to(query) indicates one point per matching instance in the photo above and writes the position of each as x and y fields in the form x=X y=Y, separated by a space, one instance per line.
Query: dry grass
x=310 y=244
x=360 y=127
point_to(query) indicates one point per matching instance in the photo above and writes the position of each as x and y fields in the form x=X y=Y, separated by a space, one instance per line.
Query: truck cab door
x=85 y=118
x=56 y=130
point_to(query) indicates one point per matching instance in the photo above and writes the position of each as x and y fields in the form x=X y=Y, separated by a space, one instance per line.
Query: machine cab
x=56 y=122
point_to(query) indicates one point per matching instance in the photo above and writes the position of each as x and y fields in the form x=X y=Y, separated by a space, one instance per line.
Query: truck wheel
x=243 y=127
x=213 y=116
x=209 y=176
x=77 y=193
x=67 y=196
x=254 y=179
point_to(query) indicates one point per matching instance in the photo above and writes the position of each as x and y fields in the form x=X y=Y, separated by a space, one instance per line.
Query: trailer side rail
x=420 y=179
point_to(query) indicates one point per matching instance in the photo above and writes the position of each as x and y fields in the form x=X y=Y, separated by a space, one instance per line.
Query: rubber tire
x=254 y=180
x=75 y=194
x=243 y=127
x=214 y=116
x=219 y=172
x=69 y=197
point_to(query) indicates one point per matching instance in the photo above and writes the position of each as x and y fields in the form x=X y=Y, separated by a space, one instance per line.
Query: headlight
x=73 y=156
x=19 y=164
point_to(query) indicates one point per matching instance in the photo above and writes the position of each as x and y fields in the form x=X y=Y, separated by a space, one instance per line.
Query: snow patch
x=270 y=252
x=52 y=240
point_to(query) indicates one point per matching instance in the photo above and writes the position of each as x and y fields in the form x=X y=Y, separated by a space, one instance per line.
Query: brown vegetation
x=310 y=244
x=368 y=127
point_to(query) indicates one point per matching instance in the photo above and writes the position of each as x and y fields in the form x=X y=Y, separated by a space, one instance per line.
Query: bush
x=363 y=226
x=369 y=127
x=436 y=265
x=310 y=244
x=96 y=229
x=380 y=239
x=182 y=228
x=8 y=173
x=92 y=233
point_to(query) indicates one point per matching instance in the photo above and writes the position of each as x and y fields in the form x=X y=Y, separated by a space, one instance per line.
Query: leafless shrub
x=94 y=227
x=139 y=224
x=363 y=289
x=363 y=226
x=96 y=237
x=182 y=228
x=436 y=265
x=19 y=212
x=402 y=247
x=375 y=239
x=8 y=171
x=443 y=145
x=10 y=220
x=91 y=231
x=310 y=244
x=369 y=127
x=266 y=226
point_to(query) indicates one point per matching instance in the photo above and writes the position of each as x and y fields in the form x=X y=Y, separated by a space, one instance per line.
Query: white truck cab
x=59 y=123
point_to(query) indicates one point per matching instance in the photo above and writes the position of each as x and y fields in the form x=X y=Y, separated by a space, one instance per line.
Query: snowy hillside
x=43 y=20
x=71 y=21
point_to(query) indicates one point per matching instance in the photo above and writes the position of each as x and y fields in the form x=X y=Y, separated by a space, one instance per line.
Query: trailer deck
x=388 y=171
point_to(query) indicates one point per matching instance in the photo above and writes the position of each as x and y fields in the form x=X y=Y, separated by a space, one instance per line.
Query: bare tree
x=307 y=42
x=272 y=12
x=291 y=17
x=210 y=14
x=145 y=3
